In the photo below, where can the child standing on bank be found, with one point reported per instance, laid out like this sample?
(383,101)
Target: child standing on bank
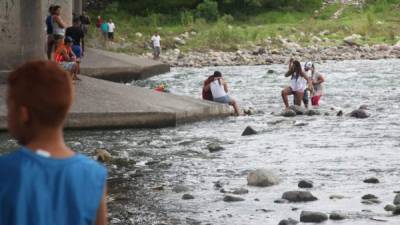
(45,182)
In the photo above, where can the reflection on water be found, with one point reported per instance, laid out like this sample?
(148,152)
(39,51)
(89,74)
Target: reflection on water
(336,153)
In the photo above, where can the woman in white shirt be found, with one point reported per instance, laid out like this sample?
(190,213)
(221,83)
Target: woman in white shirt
(298,83)
(155,42)
(219,90)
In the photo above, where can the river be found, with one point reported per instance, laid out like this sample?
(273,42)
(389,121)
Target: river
(336,153)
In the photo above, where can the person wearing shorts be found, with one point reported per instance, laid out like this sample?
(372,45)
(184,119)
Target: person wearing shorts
(317,81)
(219,90)
(298,83)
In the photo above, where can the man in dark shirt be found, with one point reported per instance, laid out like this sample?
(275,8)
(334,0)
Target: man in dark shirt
(77,34)
(85,21)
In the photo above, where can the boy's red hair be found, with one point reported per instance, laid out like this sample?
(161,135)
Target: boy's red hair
(44,89)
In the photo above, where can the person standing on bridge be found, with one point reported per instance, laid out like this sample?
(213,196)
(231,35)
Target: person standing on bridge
(77,34)
(49,31)
(58,24)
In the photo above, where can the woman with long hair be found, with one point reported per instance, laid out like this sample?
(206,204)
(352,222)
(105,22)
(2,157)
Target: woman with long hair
(298,83)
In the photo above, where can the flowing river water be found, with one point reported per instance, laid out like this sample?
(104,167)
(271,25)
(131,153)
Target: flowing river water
(336,153)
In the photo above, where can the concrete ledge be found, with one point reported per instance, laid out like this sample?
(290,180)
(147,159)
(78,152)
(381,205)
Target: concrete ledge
(119,67)
(102,104)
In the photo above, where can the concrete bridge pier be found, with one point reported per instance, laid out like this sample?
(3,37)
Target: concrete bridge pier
(21,33)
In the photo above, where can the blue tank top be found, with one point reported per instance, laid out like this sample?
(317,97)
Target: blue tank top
(38,190)
(49,25)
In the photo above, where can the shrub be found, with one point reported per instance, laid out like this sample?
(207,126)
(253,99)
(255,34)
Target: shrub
(227,18)
(187,18)
(208,10)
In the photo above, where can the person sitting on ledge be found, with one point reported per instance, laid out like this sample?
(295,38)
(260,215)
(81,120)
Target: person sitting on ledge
(66,57)
(219,90)
(44,182)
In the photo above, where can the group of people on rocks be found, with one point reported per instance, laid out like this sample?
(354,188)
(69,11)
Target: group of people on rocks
(302,81)
(66,45)
(106,28)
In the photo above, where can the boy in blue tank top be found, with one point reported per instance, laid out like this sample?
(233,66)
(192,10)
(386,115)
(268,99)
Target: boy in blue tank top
(44,182)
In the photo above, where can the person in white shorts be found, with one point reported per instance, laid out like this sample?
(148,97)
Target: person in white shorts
(298,83)
(219,89)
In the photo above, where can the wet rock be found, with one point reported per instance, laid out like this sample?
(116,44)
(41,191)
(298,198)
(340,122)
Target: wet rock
(396,200)
(312,217)
(240,191)
(337,216)
(187,197)
(312,112)
(288,113)
(340,113)
(214,147)
(158,188)
(369,197)
(389,208)
(288,221)
(270,71)
(371,201)
(336,197)
(299,196)
(231,198)
(352,40)
(281,201)
(102,155)
(180,188)
(300,124)
(363,107)
(262,178)
(218,184)
(250,111)
(298,109)
(359,113)
(249,131)
(371,180)
(396,211)
(305,184)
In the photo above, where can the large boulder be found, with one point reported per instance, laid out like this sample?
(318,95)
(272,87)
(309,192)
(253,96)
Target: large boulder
(360,114)
(299,196)
(262,178)
(312,217)
(249,131)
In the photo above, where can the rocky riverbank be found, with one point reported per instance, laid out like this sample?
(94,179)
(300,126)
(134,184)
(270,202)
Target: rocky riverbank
(263,55)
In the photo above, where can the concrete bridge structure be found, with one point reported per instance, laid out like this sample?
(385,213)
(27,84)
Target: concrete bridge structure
(99,103)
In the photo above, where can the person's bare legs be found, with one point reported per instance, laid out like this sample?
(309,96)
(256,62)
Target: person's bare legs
(235,106)
(285,93)
(49,49)
(299,97)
